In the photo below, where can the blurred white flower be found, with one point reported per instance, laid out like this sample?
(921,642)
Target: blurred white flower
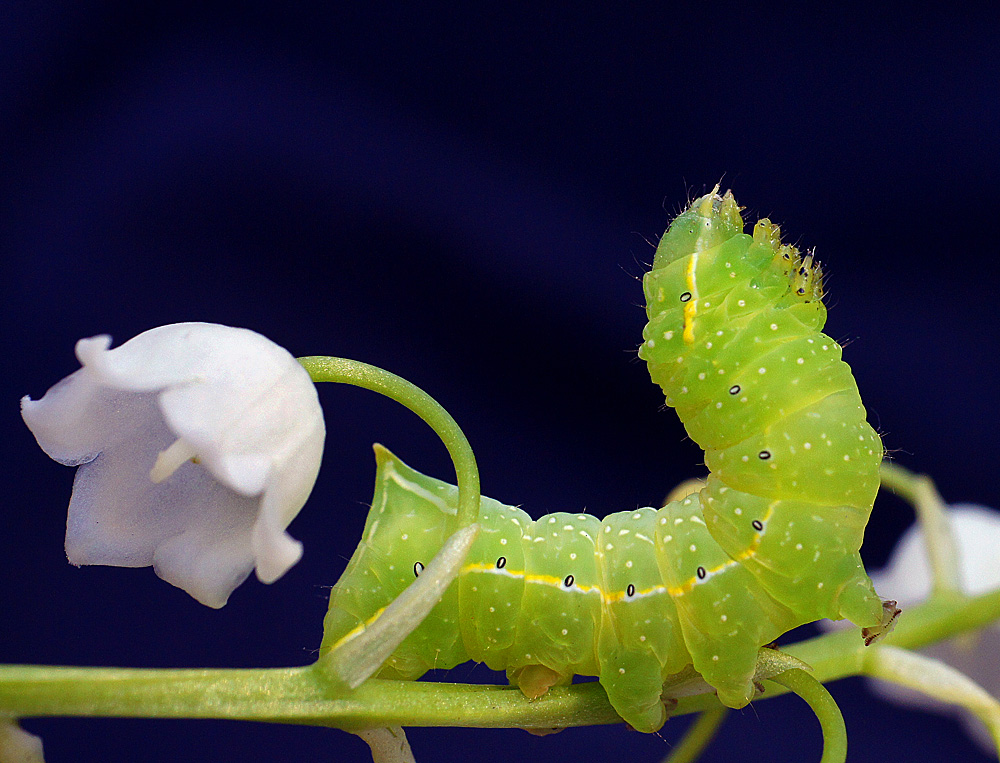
(17,745)
(907,579)
(197,444)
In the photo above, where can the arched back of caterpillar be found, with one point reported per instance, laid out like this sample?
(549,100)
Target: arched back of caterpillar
(771,542)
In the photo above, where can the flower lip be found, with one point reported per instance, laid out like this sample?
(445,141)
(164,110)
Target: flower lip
(197,444)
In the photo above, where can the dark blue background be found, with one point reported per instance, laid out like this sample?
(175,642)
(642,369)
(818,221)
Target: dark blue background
(465,196)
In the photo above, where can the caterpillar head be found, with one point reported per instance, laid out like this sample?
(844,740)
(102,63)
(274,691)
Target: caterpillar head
(707,222)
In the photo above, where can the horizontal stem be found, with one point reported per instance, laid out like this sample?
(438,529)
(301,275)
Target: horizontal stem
(299,695)
(287,695)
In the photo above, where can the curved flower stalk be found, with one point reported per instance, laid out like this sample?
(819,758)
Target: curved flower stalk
(197,444)
(937,678)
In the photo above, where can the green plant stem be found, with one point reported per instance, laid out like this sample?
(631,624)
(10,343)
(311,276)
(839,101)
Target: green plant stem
(698,736)
(830,718)
(344,371)
(942,552)
(301,695)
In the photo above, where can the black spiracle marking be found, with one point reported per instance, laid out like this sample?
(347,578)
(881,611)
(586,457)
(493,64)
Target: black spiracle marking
(734,390)
(701,573)
(686,296)
(764,455)
(418,567)
(501,562)
(630,591)
(757,525)
(568,582)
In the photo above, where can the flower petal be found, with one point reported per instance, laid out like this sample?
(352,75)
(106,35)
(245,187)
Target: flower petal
(197,445)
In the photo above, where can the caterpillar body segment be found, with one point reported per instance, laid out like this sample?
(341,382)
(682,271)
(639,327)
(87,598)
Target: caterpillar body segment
(734,339)
(769,543)
(563,595)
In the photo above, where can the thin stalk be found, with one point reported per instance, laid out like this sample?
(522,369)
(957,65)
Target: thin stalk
(344,371)
(942,552)
(827,713)
(698,736)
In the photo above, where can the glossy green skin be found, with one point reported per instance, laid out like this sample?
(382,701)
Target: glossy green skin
(706,581)
(797,404)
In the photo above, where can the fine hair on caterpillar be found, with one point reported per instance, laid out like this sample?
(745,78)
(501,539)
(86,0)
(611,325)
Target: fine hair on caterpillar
(769,542)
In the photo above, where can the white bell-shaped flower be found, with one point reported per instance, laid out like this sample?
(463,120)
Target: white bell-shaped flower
(197,444)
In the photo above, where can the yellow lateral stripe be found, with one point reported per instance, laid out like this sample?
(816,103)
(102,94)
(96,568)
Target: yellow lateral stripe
(609,598)
(750,552)
(691,306)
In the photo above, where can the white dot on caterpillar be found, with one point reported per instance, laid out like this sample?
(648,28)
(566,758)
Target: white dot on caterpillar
(847,457)
(692,547)
(642,638)
(800,361)
(668,335)
(774,327)
(628,564)
(738,511)
(701,376)
(492,609)
(564,631)
(742,303)
(572,555)
(621,671)
(404,536)
(724,618)
(718,405)
(715,658)
(608,547)
(807,445)
(745,459)
(651,343)
(708,345)
(762,370)
(720,332)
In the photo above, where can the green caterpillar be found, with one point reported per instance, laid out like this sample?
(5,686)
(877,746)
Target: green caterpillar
(770,543)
